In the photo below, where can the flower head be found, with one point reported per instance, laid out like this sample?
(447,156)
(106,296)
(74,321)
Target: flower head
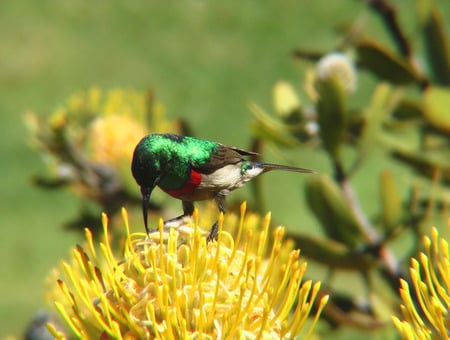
(426,311)
(175,285)
(90,139)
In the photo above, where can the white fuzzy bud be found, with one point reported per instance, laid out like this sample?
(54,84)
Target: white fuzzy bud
(339,67)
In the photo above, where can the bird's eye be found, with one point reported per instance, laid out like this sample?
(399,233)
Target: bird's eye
(245,167)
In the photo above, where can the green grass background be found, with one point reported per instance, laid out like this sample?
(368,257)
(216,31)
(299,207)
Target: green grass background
(205,59)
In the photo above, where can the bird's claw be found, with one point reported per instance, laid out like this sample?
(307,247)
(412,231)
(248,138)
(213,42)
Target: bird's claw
(213,232)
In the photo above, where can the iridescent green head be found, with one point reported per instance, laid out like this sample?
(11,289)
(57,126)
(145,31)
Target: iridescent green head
(146,171)
(165,160)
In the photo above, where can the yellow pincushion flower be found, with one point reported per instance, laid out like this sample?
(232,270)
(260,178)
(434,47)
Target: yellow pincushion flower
(114,133)
(426,310)
(113,138)
(174,285)
(88,143)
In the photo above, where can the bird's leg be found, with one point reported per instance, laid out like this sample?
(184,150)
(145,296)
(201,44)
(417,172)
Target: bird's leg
(213,232)
(188,210)
(220,201)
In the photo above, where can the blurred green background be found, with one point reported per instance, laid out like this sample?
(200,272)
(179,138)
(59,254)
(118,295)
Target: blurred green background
(205,60)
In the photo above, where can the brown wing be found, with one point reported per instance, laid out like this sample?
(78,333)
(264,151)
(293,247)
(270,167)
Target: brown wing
(224,155)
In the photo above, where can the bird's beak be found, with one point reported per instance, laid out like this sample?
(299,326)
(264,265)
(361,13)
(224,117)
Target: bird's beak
(146,193)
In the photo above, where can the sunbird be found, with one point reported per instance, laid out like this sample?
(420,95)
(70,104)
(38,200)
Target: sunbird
(192,169)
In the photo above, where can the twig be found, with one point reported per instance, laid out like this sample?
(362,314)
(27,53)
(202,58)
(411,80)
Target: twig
(371,235)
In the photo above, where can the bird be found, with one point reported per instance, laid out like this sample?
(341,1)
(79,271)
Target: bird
(193,169)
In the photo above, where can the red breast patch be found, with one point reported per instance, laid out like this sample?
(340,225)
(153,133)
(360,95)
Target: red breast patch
(188,187)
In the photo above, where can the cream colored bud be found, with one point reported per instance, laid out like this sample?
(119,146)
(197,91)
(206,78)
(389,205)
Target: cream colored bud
(339,67)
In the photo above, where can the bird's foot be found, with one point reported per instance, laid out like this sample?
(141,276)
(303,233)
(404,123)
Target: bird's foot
(151,231)
(177,221)
(213,232)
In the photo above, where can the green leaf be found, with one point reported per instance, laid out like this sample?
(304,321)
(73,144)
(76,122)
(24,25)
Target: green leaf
(308,54)
(408,109)
(332,253)
(385,64)
(426,162)
(333,114)
(326,201)
(380,105)
(390,201)
(423,10)
(270,129)
(437,47)
(436,107)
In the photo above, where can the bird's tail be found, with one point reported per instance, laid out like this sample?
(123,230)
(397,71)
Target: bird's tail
(270,166)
